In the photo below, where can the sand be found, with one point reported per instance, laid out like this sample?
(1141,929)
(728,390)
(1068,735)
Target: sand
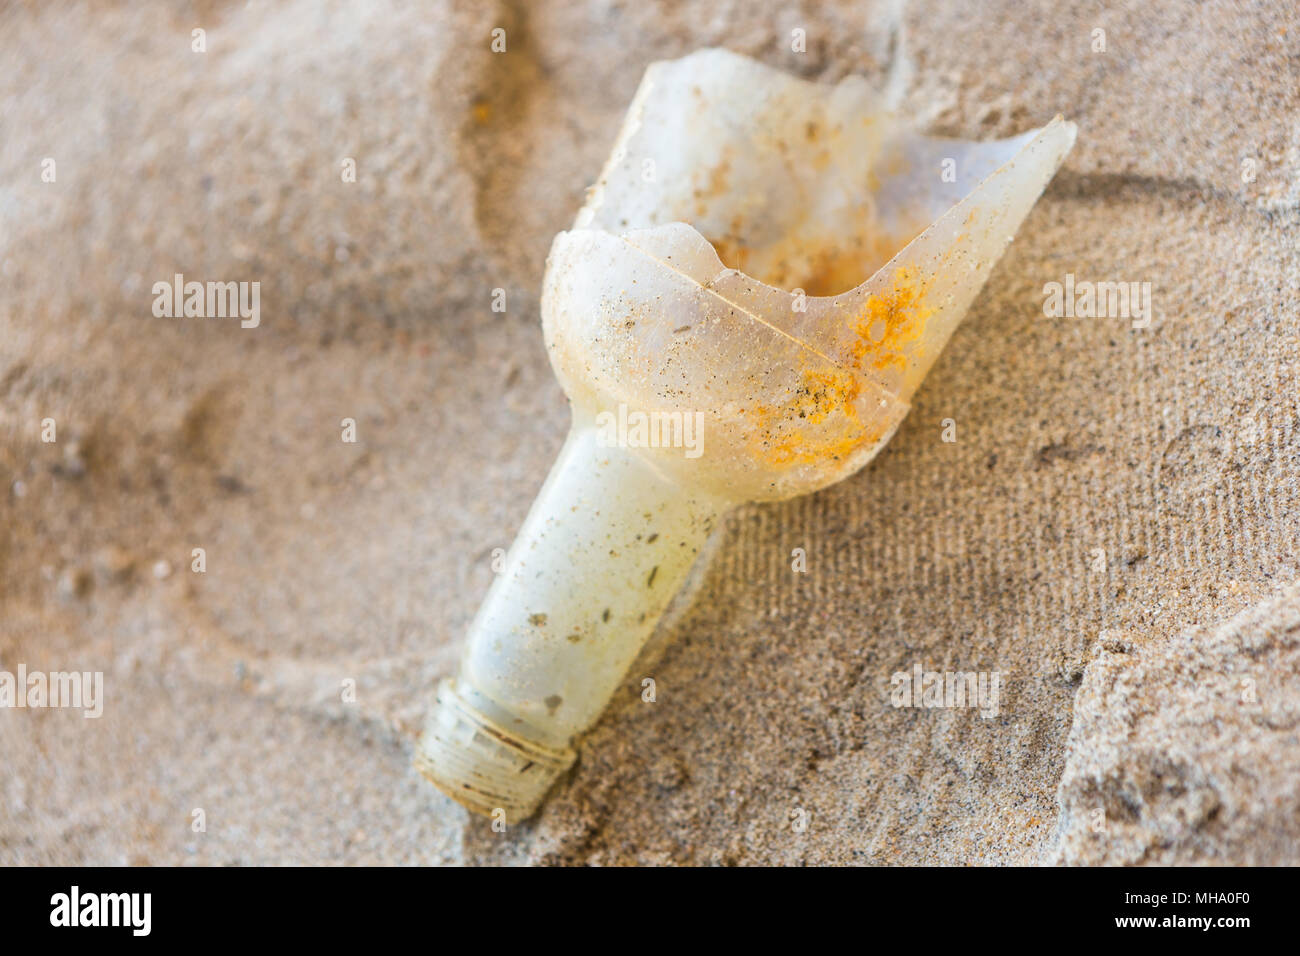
(1114,531)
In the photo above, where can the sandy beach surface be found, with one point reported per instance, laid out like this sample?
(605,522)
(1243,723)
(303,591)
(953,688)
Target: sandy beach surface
(1115,531)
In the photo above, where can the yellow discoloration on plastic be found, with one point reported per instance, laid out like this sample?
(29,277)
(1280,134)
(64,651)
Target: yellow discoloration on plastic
(888,332)
(891,324)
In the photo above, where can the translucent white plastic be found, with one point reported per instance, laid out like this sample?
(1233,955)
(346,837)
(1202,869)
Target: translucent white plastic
(757,285)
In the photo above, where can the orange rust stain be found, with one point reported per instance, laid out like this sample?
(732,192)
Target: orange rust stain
(888,324)
(899,316)
(716,186)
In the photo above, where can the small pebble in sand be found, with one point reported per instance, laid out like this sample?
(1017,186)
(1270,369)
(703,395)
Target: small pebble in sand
(114,563)
(73,465)
(73,583)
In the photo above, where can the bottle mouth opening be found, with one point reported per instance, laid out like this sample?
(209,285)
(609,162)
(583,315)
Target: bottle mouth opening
(485,768)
